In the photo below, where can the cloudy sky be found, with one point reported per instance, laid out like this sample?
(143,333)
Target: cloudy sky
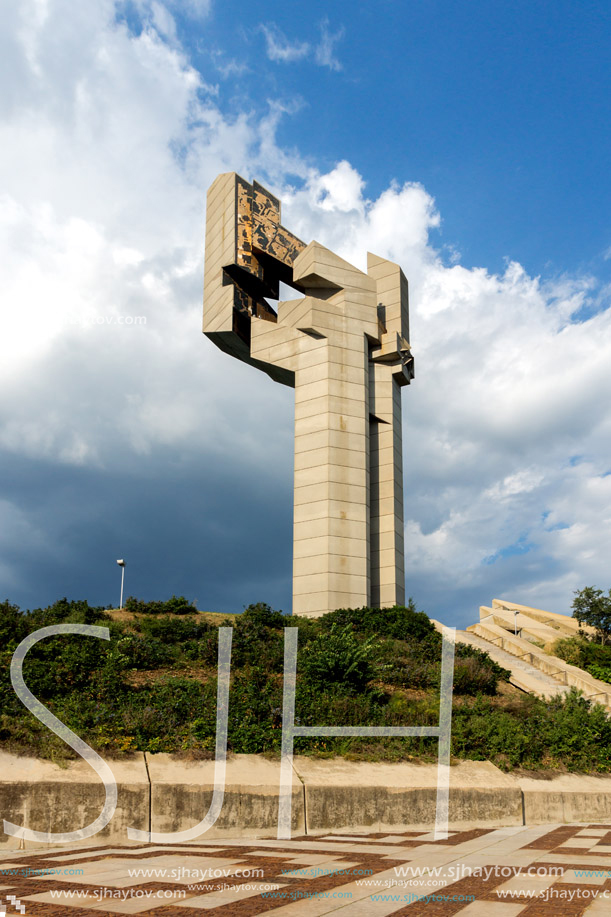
(469,142)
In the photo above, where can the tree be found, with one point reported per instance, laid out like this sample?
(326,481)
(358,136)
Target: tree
(591,606)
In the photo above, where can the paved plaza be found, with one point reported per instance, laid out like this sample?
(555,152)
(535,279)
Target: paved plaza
(562,870)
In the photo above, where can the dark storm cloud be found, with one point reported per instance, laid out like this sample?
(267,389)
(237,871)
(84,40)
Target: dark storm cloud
(217,534)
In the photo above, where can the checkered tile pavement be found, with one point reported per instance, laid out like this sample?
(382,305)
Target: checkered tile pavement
(543,871)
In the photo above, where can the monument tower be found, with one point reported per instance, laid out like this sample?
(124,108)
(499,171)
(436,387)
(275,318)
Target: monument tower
(344,347)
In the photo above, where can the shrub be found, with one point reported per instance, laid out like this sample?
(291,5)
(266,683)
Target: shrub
(400,621)
(13,625)
(601,672)
(172,630)
(591,606)
(263,615)
(582,652)
(475,672)
(339,659)
(255,711)
(258,638)
(176,605)
(64,612)
(570,649)
(353,670)
(473,677)
(135,652)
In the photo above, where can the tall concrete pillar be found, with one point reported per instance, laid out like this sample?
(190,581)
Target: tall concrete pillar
(344,347)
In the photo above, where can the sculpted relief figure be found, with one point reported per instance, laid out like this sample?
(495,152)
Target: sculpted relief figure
(344,347)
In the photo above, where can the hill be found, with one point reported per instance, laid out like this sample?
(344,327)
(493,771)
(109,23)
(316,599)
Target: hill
(152,687)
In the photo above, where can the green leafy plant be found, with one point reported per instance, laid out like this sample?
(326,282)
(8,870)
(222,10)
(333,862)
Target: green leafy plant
(340,659)
(592,607)
(400,621)
(582,652)
(176,605)
(603,673)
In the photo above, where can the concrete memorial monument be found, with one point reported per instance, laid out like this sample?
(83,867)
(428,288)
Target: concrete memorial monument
(344,347)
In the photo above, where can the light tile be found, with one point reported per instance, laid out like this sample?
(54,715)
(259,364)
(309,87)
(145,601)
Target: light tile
(523,884)
(577,842)
(492,909)
(227,895)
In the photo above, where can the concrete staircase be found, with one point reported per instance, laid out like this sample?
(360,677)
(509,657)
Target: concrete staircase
(520,639)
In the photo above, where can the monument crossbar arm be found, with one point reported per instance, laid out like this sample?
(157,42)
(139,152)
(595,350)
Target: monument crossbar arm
(344,347)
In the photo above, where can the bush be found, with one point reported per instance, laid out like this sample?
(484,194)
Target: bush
(567,732)
(582,652)
(13,625)
(473,677)
(177,605)
(171,630)
(264,616)
(258,639)
(255,712)
(592,607)
(570,649)
(339,660)
(601,672)
(400,621)
(136,652)
(475,672)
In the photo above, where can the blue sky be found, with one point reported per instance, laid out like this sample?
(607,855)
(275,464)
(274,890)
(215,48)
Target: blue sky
(469,142)
(500,109)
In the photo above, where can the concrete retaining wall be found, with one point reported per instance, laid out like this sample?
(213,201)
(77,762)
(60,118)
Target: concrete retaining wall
(565,799)
(181,792)
(329,796)
(44,797)
(380,797)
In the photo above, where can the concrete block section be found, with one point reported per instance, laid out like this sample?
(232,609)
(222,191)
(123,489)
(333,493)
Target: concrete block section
(44,797)
(567,798)
(342,795)
(181,792)
(561,671)
(560,622)
(342,346)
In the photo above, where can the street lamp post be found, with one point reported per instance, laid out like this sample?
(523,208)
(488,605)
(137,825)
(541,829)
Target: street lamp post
(122,565)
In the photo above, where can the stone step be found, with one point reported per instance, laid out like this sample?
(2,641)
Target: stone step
(534,631)
(562,672)
(566,627)
(523,675)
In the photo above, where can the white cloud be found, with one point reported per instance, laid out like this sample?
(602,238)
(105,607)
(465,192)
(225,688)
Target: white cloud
(279,48)
(198,8)
(163,21)
(194,9)
(108,157)
(340,190)
(107,149)
(282,49)
(507,390)
(324,50)
(227,66)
